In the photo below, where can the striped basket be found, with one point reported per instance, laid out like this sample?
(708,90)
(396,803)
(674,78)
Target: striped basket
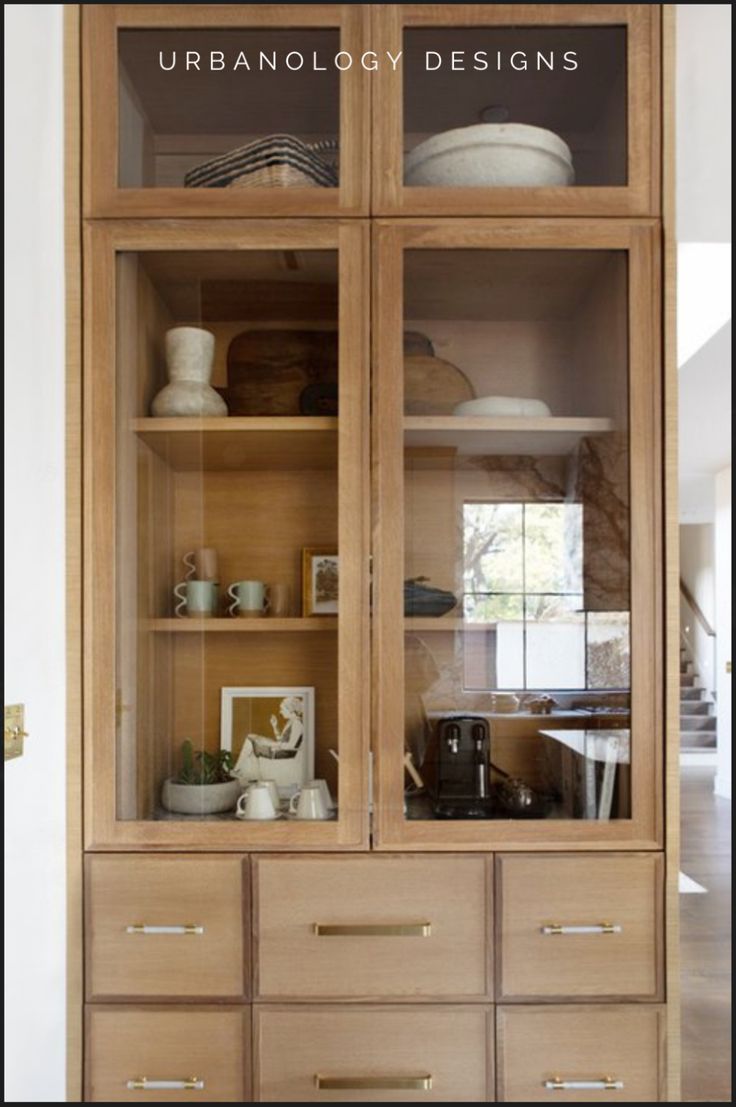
(278,161)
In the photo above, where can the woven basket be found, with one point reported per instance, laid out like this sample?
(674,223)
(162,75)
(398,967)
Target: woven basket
(275,161)
(275,176)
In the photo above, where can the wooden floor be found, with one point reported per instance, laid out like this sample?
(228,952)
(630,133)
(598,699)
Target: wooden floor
(706,942)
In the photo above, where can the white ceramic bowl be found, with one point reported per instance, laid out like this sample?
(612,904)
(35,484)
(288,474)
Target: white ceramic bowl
(502,405)
(491,155)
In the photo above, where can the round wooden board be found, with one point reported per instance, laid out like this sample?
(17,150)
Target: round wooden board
(433,386)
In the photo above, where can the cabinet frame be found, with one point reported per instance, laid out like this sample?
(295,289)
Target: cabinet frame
(102,242)
(641,239)
(640,196)
(101,194)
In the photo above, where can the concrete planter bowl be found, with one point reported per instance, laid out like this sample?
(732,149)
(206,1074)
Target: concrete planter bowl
(491,155)
(200,799)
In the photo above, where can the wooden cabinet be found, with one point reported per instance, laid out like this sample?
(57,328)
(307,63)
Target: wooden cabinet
(410,543)
(373,1054)
(366,927)
(536,529)
(259,490)
(167,1055)
(580,1054)
(579,926)
(589,73)
(169,88)
(172,927)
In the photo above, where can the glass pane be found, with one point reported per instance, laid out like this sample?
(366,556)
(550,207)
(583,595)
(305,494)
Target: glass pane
(517,560)
(228,108)
(568,83)
(227,530)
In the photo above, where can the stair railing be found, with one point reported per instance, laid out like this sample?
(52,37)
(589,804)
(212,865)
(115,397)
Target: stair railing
(699,639)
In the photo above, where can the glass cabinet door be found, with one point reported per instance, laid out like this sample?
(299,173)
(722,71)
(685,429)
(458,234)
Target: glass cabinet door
(226,446)
(540,109)
(517,608)
(226,110)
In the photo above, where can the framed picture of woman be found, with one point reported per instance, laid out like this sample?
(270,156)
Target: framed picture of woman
(270,733)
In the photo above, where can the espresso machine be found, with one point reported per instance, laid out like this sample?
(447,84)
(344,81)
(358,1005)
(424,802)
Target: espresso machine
(462,751)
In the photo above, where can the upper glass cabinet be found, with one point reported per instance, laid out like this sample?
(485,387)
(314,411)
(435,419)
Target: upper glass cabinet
(517,109)
(224,110)
(517,447)
(227,446)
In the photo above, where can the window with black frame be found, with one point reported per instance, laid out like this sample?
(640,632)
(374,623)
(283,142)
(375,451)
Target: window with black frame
(523,576)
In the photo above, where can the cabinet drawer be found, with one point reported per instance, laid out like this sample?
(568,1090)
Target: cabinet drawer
(544,1052)
(178,1046)
(373,1054)
(166,927)
(542,902)
(372,927)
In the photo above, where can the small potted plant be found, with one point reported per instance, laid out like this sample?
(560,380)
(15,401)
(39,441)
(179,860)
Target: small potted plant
(204,785)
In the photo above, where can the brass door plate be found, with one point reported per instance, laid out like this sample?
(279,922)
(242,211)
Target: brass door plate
(14,730)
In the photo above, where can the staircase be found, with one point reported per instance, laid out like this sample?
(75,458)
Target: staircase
(697,720)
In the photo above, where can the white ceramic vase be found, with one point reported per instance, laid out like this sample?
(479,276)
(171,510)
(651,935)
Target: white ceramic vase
(189,355)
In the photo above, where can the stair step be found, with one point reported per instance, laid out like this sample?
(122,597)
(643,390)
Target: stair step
(687,680)
(695,707)
(689,695)
(697,741)
(698,722)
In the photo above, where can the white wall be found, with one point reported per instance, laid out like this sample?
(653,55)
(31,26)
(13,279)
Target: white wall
(703,122)
(723,630)
(34,555)
(703,174)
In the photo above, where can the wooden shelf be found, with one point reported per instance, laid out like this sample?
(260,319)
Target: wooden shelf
(509,434)
(285,442)
(444,622)
(226,625)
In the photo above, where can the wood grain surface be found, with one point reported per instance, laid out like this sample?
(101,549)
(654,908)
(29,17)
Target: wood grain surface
(624,1042)
(625,890)
(167,1043)
(451,1045)
(448,893)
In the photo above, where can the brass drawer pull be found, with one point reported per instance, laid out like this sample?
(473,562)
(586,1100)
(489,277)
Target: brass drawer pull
(143,1084)
(140,928)
(377,1083)
(373,930)
(605,1084)
(597,928)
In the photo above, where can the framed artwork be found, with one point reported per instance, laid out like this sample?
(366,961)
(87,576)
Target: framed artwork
(270,733)
(320,579)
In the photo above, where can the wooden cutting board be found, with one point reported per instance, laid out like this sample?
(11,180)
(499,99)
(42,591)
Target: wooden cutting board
(268,370)
(433,386)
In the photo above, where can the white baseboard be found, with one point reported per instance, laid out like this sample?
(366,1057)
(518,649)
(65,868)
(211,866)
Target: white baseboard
(722,786)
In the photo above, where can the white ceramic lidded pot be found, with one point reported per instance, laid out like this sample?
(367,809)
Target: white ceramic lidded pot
(189,355)
(491,155)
